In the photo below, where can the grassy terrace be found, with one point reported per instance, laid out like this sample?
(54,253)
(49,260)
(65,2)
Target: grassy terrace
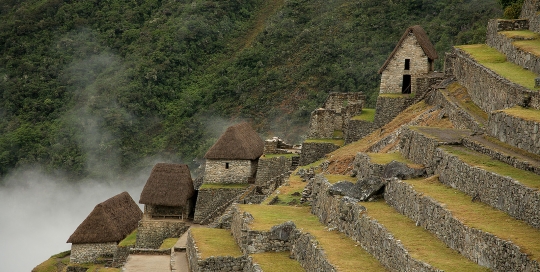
(168,243)
(396,95)
(487,163)
(288,194)
(224,186)
(523,113)
(129,240)
(525,40)
(338,142)
(277,262)
(269,156)
(385,158)
(340,250)
(420,243)
(481,216)
(492,59)
(215,242)
(366,115)
(462,97)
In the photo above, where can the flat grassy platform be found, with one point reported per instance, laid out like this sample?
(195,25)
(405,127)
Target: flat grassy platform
(485,162)
(420,243)
(340,250)
(224,186)
(523,113)
(288,194)
(386,158)
(366,115)
(269,156)
(168,243)
(335,178)
(215,242)
(525,40)
(277,262)
(495,61)
(445,135)
(338,142)
(481,216)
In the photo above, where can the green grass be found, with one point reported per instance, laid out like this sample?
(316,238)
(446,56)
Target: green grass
(168,243)
(463,98)
(492,59)
(338,142)
(396,95)
(420,243)
(523,113)
(224,186)
(385,158)
(215,242)
(481,216)
(51,264)
(340,250)
(269,156)
(288,194)
(335,178)
(129,240)
(473,158)
(366,115)
(277,262)
(337,134)
(520,34)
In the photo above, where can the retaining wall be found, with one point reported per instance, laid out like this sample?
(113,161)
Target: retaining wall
(357,129)
(388,108)
(212,202)
(88,253)
(349,217)
(515,131)
(312,152)
(481,247)
(270,168)
(211,264)
(151,233)
(529,11)
(487,89)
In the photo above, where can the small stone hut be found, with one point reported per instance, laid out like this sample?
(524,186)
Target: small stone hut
(109,223)
(168,192)
(234,157)
(411,59)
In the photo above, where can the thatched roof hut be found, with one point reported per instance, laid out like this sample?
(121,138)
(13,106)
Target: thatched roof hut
(422,39)
(110,221)
(169,184)
(238,142)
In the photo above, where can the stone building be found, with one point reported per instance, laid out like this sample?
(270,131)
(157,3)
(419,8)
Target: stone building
(234,157)
(411,59)
(168,192)
(109,223)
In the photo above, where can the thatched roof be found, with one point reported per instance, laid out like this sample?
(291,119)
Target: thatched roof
(238,142)
(422,39)
(110,221)
(169,184)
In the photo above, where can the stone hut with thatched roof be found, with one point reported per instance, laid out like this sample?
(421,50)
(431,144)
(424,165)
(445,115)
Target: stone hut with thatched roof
(168,192)
(234,157)
(109,223)
(412,58)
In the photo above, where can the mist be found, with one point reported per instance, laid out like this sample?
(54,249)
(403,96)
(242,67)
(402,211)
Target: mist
(39,212)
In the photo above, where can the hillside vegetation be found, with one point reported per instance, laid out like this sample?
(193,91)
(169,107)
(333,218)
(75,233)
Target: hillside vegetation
(90,85)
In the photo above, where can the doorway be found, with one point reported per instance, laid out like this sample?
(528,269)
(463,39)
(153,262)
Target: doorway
(406,87)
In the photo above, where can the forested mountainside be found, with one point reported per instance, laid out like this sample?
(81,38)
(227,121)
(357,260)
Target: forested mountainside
(89,85)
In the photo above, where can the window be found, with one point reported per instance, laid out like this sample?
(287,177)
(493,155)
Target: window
(407,64)
(226,165)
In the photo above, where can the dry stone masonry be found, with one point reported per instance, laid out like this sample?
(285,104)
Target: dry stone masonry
(85,253)
(515,131)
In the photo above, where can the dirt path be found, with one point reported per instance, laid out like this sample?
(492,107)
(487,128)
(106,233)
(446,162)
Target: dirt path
(148,263)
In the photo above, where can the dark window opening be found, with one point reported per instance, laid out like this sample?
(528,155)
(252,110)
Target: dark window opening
(407,64)
(226,165)
(406,87)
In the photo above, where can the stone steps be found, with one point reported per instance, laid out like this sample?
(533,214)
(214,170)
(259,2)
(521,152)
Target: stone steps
(389,236)
(485,235)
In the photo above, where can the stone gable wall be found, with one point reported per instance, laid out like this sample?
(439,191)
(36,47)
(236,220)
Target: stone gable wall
(151,233)
(392,76)
(481,247)
(212,202)
(312,152)
(501,192)
(504,45)
(487,89)
(88,253)
(349,217)
(239,171)
(515,131)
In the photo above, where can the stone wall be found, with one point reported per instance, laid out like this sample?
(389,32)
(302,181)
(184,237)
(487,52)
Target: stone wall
(364,168)
(392,76)
(357,129)
(229,171)
(309,255)
(515,131)
(349,217)
(529,11)
(505,45)
(120,256)
(218,263)
(345,102)
(312,152)
(487,89)
(481,247)
(323,123)
(151,233)
(270,168)
(88,253)
(388,108)
(501,192)
(212,202)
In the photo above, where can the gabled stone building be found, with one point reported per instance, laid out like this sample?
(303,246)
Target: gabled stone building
(168,192)
(234,157)
(411,59)
(109,223)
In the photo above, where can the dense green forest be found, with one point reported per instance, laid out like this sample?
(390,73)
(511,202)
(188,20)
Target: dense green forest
(100,86)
